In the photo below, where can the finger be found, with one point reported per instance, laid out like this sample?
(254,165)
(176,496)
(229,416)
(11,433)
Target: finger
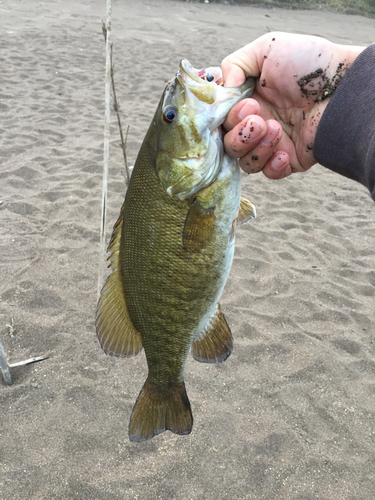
(244,136)
(259,155)
(278,166)
(240,111)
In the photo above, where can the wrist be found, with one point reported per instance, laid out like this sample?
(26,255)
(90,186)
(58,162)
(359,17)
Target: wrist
(352,52)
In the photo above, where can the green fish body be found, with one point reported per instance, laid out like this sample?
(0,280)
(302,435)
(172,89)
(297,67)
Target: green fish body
(172,248)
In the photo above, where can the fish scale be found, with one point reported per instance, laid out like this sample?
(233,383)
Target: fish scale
(167,288)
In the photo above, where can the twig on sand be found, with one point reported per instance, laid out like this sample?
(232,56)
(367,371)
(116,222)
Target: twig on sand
(4,366)
(11,327)
(28,361)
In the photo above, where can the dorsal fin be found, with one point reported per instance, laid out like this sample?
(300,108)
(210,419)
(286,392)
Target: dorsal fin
(199,224)
(215,344)
(246,212)
(114,328)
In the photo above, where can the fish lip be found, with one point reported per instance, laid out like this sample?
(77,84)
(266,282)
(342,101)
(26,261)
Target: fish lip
(187,70)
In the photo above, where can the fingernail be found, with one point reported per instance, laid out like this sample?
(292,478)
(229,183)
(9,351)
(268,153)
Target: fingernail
(270,135)
(279,162)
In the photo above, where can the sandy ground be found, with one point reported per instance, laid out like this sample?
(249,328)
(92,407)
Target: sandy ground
(291,414)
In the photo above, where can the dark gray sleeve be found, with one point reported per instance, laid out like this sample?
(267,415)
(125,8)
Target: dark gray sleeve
(345,139)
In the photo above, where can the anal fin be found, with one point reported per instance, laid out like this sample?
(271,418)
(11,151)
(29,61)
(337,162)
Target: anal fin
(115,330)
(215,344)
(160,409)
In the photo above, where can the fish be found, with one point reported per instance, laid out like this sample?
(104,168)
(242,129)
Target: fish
(172,248)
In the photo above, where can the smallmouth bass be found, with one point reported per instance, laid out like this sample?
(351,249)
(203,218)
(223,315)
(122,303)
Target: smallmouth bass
(172,248)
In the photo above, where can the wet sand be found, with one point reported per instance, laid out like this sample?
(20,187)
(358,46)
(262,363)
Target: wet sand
(291,413)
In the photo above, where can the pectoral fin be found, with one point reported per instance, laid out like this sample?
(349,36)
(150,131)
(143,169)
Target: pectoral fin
(246,212)
(215,344)
(114,328)
(199,225)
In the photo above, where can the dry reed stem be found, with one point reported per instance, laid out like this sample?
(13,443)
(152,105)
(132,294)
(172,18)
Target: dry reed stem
(107,123)
(109,82)
(117,108)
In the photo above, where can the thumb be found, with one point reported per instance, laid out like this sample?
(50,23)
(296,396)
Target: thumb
(238,66)
(233,75)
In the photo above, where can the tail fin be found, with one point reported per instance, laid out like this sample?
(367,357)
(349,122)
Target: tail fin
(157,410)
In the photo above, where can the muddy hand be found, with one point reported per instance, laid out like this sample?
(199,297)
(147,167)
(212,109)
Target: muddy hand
(274,131)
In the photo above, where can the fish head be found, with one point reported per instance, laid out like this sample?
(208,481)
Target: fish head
(188,120)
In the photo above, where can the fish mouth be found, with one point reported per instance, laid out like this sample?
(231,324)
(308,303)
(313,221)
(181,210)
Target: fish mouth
(190,74)
(209,95)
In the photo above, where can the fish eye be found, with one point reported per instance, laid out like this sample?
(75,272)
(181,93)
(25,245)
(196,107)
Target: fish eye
(170,114)
(210,77)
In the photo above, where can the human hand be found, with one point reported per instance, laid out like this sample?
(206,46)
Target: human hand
(274,131)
